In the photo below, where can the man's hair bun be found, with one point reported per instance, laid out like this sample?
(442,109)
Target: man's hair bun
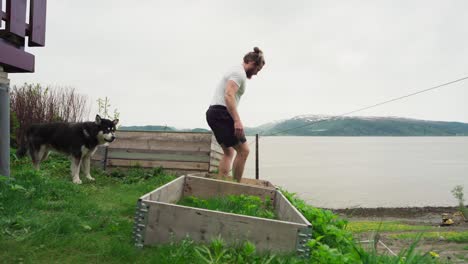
(256,56)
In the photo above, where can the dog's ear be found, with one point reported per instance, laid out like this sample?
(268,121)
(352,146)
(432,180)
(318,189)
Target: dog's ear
(98,120)
(115,122)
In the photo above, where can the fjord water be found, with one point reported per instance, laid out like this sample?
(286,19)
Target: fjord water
(344,172)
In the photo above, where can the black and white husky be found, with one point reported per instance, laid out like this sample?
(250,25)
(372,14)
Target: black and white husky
(77,140)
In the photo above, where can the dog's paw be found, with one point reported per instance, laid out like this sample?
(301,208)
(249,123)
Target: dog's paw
(77,181)
(90,178)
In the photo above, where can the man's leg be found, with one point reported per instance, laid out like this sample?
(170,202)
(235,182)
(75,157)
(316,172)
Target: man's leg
(239,162)
(226,161)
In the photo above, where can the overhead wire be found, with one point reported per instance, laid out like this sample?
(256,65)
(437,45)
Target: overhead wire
(369,107)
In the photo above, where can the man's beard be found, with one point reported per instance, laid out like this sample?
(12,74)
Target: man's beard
(249,74)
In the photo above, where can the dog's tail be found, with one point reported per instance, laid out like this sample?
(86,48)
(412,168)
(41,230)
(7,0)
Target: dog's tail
(23,148)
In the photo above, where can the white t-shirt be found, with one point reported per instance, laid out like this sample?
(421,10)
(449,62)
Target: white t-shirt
(236,74)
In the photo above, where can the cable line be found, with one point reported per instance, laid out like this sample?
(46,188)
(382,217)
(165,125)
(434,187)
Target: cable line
(372,106)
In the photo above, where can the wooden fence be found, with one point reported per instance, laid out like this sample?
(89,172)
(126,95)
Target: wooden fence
(179,152)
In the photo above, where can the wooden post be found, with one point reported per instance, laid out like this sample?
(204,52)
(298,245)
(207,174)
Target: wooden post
(104,162)
(256,157)
(4,124)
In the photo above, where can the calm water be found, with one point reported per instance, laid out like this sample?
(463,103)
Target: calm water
(338,172)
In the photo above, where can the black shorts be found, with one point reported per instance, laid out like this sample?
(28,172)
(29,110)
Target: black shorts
(222,124)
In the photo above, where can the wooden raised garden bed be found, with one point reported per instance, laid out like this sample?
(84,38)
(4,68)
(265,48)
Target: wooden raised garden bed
(160,220)
(179,152)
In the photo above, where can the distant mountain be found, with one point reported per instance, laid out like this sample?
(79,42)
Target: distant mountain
(318,125)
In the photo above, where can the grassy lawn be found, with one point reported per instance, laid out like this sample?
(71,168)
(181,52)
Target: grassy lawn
(45,218)
(457,237)
(385,226)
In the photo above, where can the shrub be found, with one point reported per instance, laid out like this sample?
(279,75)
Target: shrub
(33,103)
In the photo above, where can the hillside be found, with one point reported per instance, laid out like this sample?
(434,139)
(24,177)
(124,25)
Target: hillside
(360,126)
(315,125)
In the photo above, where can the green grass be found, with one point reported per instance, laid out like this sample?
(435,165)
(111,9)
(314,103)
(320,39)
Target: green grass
(45,218)
(237,204)
(457,237)
(385,226)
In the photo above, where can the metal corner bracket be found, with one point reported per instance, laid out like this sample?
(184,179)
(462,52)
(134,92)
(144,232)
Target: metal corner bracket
(141,220)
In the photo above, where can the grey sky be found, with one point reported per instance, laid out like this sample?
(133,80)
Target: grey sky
(159,61)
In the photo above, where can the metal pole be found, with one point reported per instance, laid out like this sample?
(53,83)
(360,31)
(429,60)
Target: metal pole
(4,124)
(256,157)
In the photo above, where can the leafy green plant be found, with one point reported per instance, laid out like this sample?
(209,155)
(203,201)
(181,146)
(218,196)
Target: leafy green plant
(215,255)
(457,192)
(237,204)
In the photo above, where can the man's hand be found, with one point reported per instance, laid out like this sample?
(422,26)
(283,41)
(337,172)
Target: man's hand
(238,129)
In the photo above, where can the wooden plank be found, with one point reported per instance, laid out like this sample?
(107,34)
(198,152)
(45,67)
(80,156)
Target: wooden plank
(147,195)
(176,172)
(180,172)
(215,146)
(167,131)
(170,192)
(286,211)
(99,154)
(16,12)
(155,163)
(37,21)
(207,188)
(216,156)
(120,154)
(198,174)
(160,145)
(130,150)
(244,180)
(214,162)
(15,60)
(213,168)
(169,222)
(163,136)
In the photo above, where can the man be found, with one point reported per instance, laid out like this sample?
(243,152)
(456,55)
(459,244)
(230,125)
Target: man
(223,118)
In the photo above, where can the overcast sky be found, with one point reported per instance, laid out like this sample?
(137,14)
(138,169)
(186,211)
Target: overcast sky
(159,61)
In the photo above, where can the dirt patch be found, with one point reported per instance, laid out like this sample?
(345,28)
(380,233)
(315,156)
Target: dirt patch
(426,216)
(454,252)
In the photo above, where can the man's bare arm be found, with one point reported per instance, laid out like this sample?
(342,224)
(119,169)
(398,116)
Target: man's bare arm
(230,98)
